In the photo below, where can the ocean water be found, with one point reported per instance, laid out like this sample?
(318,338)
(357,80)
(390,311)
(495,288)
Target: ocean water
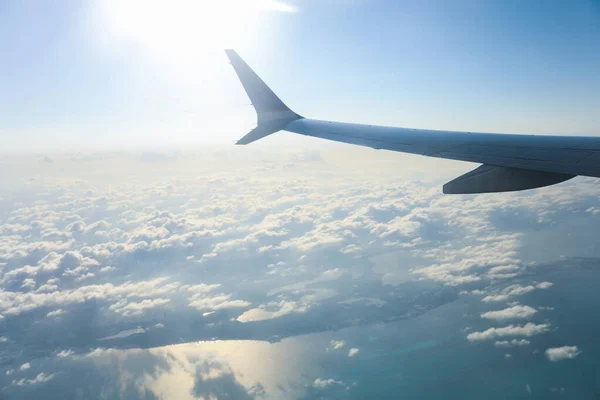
(425,357)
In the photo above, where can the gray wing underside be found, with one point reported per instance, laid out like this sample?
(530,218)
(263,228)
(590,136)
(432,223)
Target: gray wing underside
(510,162)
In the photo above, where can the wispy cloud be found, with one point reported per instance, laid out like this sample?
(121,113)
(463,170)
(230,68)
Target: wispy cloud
(512,343)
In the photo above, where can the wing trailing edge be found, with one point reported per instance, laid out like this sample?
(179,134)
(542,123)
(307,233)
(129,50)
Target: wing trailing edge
(491,179)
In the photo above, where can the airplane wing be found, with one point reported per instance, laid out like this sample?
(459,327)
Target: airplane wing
(509,162)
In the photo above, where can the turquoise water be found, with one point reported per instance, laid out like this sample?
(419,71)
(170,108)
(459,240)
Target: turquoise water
(427,357)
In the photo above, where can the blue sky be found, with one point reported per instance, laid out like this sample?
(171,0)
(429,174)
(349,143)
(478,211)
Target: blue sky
(78,75)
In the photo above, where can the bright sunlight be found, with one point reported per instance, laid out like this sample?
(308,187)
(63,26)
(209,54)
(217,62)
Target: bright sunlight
(185,30)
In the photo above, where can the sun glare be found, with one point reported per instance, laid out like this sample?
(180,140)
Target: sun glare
(186,30)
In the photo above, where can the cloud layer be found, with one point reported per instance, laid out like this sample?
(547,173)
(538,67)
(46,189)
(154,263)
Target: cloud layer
(140,252)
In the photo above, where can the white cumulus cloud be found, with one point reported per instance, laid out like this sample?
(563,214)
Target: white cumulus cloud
(562,353)
(337,344)
(514,291)
(55,313)
(323,383)
(272,310)
(40,378)
(64,353)
(516,312)
(527,330)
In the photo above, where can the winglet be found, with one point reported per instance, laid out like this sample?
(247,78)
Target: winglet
(272,114)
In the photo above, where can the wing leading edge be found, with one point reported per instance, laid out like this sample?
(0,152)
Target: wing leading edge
(510,162)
